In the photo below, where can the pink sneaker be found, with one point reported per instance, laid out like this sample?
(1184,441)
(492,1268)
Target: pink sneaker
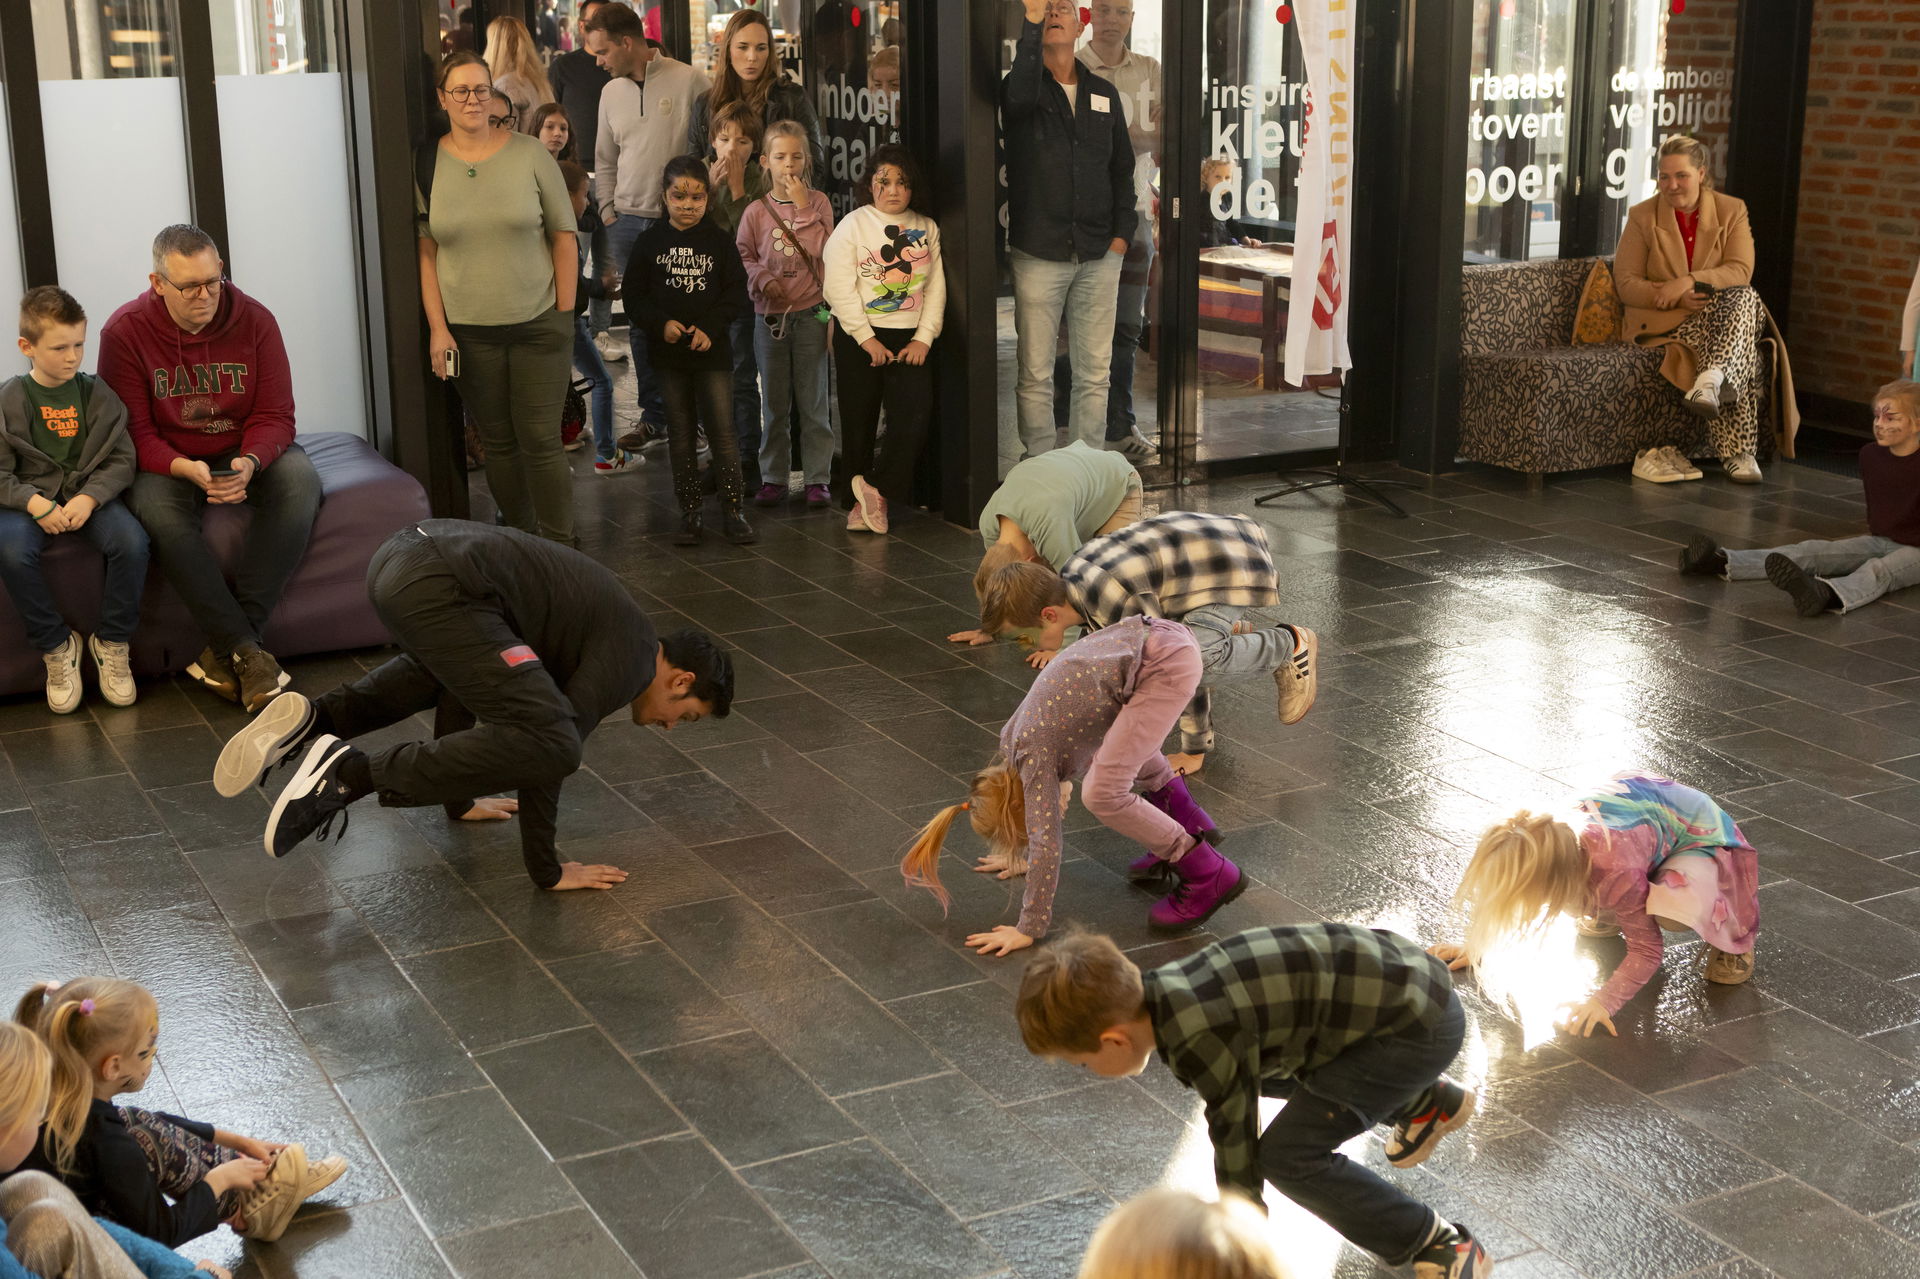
(856,524)
(872,506)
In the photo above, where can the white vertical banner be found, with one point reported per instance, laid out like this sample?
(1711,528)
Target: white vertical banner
(1323,221)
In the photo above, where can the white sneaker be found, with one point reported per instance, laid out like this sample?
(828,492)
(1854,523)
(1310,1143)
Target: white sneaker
(63,676)
(1681,463)
(1743,468)
(1704,399)
(611,348)
(116,671)
(1651,464)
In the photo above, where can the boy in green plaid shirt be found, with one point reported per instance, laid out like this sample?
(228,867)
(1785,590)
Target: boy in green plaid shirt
(1352,1025)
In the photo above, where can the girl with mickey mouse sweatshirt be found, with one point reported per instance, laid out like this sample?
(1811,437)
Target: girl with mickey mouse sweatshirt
(884,283)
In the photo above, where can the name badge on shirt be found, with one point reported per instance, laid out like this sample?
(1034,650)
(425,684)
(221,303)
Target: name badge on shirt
(1098,102)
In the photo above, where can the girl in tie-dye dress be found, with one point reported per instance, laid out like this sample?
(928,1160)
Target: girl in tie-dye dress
(1637,854)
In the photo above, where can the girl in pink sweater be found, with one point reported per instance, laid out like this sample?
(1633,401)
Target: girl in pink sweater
(781,238)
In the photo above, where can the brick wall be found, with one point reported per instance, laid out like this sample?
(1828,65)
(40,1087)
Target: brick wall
(1859,228)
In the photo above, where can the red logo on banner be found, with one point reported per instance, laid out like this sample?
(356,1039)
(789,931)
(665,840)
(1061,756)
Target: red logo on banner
(1326,292)
(1283,15)
(518,655)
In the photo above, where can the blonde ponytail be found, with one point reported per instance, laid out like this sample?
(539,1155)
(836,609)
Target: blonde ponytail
(24,1080)
(997,807)
(82,1022)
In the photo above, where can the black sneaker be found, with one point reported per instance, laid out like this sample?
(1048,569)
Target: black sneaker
(261,678)
(738,531)
(311,799)
(1811,596)
(1454,1255)
(1702,557)
(1442,1108)
(251,753)
(692,529)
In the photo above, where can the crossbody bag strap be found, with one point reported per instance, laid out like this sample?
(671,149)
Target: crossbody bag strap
(806,257)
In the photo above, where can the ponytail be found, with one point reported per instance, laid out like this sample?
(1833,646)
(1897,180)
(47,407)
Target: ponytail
(996,805)
(1525,870)
(81,1022)
(23,1080)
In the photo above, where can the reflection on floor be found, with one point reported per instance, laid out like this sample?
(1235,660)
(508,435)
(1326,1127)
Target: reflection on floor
(763,1056)
(1237,418)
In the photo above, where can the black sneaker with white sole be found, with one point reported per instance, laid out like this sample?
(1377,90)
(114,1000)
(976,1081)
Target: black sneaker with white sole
(312,798)
(1454,1255)
(1442,1108)
(251,753)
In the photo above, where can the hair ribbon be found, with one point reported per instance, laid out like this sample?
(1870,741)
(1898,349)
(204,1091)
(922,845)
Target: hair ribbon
(86,1008)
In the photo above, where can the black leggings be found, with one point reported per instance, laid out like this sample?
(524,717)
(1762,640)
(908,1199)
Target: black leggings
(906,390)
(697,397)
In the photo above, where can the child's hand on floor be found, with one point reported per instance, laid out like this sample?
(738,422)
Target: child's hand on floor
(1454,957)
(1040,657)
(493,809)
(1003,940)
(975,638)
(999,865)
(1583,1017)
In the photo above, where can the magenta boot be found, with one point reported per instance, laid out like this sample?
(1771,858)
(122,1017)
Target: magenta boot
(1207,881)
(1177,802)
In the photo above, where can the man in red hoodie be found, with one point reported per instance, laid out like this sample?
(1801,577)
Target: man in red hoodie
(210,406)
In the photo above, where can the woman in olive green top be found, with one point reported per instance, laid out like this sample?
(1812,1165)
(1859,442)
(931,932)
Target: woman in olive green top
(498,268)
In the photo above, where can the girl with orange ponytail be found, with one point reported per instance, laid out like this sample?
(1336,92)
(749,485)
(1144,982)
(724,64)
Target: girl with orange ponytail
(1099,711)
(1637,855)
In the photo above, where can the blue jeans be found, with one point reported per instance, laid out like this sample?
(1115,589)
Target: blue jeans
(122,543)
(1130,317)
(586,358)
(746,396)
(1859,569)
(1374,1082)
(1086,294)
(626,228)
(285,497)
(795,369)
(600,310)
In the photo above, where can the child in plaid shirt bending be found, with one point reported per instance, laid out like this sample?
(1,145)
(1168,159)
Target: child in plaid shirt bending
(1352,1025)
(1203,571)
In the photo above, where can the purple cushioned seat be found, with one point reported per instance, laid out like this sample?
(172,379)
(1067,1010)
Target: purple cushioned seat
(324,608)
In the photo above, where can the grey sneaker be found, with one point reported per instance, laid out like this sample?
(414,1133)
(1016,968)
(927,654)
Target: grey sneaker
(64,690)
(216,672)
(261,678)
(270,737)
(1682,464)
(113,662)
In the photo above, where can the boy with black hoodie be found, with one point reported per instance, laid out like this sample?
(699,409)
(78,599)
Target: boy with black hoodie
(209,399)
(65,458)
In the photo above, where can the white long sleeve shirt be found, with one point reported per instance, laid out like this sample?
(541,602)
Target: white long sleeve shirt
(883,272)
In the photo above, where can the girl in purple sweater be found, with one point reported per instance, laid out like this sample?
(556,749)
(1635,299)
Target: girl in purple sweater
(1636,855)
(1099,711)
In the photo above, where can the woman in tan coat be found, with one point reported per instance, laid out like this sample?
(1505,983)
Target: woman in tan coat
(1686,237)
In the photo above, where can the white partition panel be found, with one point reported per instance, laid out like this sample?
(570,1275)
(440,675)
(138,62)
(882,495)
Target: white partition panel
(12,283)
(116,174)
(283,145)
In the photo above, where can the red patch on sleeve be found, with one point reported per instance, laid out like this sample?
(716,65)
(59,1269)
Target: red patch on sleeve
(518,655)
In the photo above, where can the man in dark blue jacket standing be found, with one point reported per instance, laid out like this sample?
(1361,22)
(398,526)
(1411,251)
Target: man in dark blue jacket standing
(1071,215)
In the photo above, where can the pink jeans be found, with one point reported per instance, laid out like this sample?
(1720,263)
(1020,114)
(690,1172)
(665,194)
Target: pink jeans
(1130,753)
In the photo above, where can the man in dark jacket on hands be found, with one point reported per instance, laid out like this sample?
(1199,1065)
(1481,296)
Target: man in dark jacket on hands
(1071,215)
(523,647)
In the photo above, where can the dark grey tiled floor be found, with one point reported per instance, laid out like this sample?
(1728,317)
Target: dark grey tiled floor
(762,1055)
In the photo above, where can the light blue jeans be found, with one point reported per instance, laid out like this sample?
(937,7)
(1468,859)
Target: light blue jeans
(794,371)
(1223,654)
(586,358)
(1085,293)
(1859,569)
(1130,317)
(626,228)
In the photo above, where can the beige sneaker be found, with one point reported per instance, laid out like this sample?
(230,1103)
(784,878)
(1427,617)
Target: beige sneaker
(1682,464)
(1652,465)
(1743,468)
(1298,680)
(64,689)
(270,1205)
(113,662)
(1727,969)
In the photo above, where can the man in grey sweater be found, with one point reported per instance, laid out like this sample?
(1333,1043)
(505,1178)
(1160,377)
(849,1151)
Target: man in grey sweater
(642,124)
